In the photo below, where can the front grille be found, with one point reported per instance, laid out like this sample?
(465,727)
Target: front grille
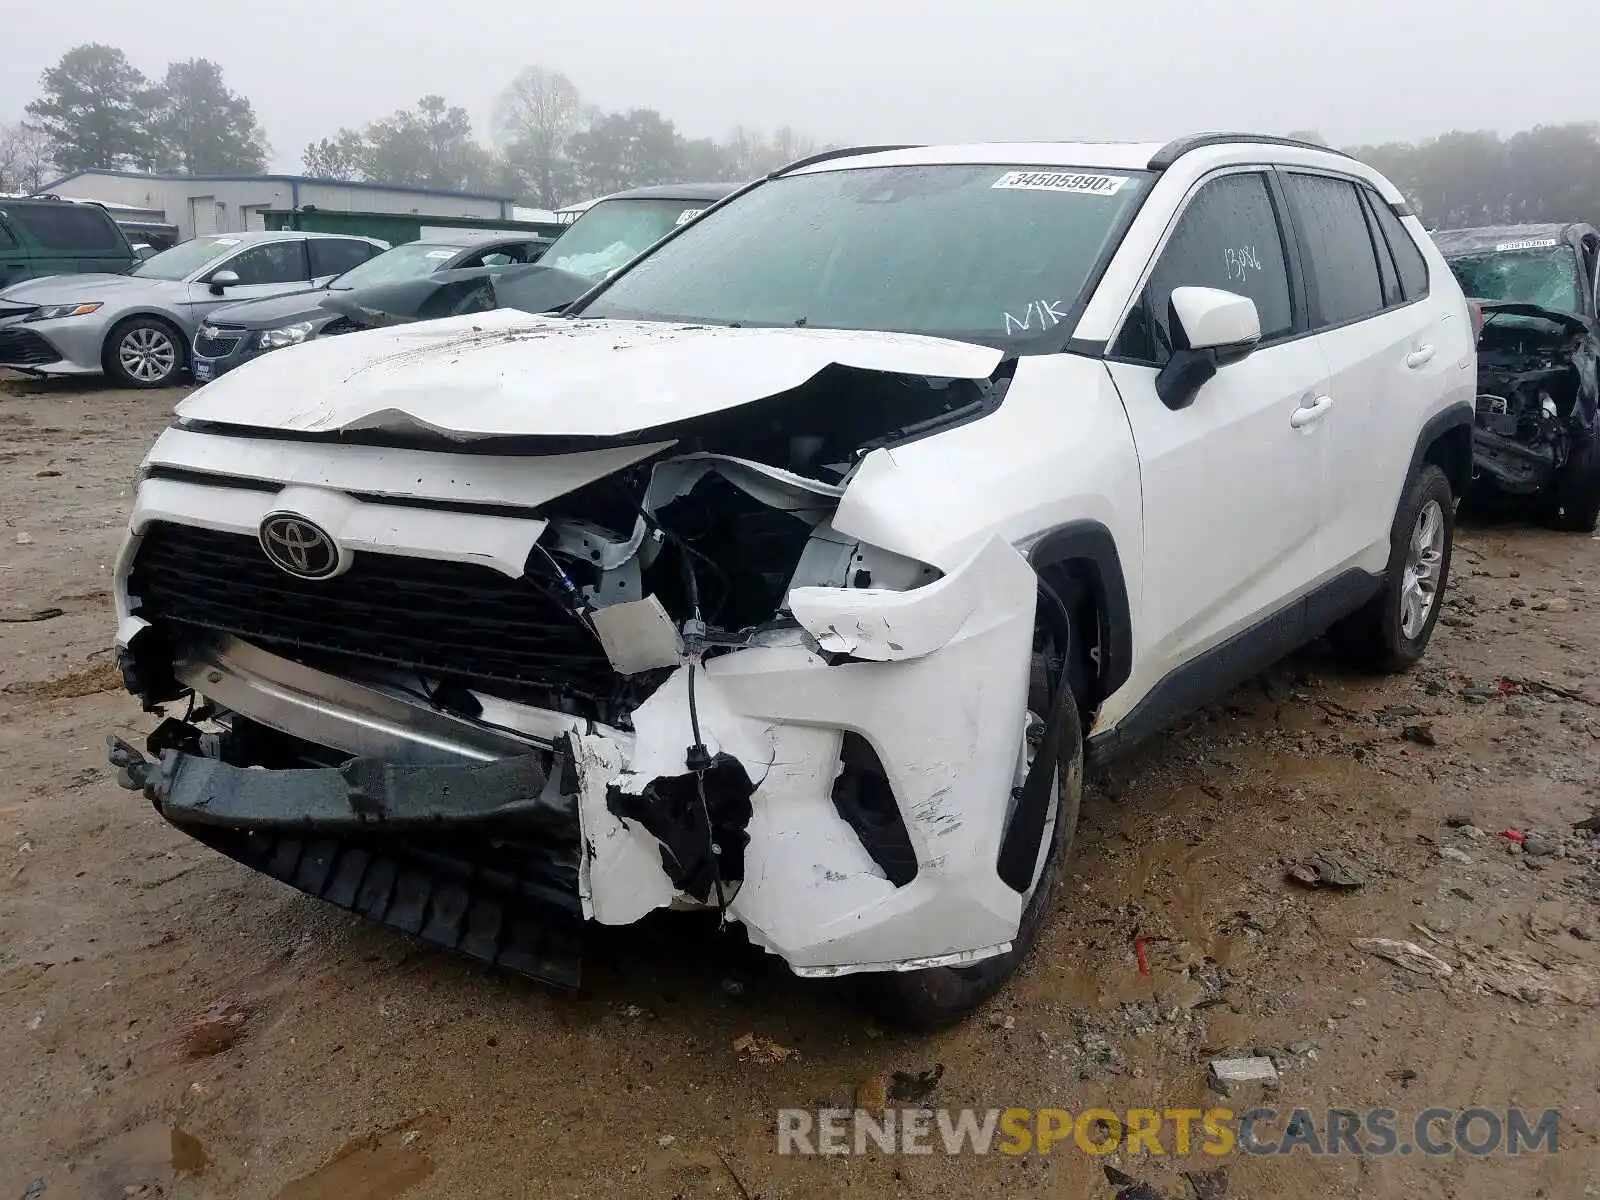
(24,347)
(440,619)
(217,345)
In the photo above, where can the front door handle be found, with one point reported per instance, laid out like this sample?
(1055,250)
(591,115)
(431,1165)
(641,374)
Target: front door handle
(1420,357)
(1309,414)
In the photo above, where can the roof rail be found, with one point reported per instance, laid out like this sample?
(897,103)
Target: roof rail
(1174,150)
(842,152)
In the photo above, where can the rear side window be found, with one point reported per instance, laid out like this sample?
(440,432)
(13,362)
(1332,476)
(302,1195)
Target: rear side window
(1408,260)
(274,262)
(1228,237)
(335,256)
(1344,268)
(69,227)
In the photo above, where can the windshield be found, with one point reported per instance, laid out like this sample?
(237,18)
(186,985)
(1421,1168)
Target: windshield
(411,261)
(612,232)
(1546,275)
(184,259)
(988,254)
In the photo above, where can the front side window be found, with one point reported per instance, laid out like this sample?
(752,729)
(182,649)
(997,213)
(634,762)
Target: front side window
(274,262)
(1334,234)
(991,254)
(1542,274)
(1227,238)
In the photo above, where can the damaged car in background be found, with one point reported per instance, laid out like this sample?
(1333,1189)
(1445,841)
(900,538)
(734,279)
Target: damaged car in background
(609,232)
(790,574)
(1538,363)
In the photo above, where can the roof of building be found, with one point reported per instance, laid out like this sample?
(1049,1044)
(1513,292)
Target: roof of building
(359,184)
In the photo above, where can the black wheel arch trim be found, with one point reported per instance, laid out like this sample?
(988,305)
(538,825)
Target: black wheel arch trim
(1091,542)
(1459,415)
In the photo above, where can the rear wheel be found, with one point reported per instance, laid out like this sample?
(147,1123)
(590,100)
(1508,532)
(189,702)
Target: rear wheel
(1576,502)
(942,996)
(144,352)
(1391,631)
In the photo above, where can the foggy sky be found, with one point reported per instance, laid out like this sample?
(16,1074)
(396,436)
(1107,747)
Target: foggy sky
(867,70)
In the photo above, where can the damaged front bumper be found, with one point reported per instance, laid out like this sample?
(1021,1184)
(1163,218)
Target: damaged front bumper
(840,784)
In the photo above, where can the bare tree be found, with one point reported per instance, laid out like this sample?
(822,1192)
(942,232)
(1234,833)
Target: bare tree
(24,158)
(533,118)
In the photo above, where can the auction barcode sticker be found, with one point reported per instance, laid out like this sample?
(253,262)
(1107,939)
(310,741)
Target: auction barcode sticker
(688,215)
(1528,244)
(1072,182)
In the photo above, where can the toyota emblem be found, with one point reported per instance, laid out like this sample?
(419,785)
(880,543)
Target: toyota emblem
(299,547)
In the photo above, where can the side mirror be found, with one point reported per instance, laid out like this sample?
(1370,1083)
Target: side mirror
(1210,329)
(223,279)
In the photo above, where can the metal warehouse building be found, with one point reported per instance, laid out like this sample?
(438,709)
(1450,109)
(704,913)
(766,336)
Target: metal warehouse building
(200,204)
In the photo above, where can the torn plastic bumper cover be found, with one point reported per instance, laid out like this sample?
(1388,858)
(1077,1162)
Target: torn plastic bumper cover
(347,835)
(925,688)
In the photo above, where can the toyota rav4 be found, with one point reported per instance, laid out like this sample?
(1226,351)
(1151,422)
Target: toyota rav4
(792,575)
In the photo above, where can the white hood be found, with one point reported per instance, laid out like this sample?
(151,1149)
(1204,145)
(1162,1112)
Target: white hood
(505,373)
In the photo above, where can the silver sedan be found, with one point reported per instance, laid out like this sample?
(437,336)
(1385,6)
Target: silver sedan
(137,328)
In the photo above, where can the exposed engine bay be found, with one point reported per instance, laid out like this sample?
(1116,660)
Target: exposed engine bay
(613,674)
(1537,392)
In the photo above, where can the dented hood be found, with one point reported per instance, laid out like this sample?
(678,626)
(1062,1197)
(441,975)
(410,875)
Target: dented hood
(507,374)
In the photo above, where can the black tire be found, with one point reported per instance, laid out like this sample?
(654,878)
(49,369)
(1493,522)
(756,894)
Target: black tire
(939,997)
(145,352)
(1575,505)
(1374,637)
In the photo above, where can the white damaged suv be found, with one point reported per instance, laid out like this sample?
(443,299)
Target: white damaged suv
(792,574)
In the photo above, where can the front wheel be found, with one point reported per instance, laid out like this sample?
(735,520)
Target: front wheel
(1576,502)
(144,352)
(942,996)
(1391,631)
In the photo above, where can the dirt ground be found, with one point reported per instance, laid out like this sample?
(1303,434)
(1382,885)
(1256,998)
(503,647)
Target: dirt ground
(172,1025)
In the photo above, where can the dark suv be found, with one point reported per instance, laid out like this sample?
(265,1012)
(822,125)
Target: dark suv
(58,237)
(1536,434)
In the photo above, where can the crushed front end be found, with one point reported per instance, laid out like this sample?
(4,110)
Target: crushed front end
(486,690)
(1537,390)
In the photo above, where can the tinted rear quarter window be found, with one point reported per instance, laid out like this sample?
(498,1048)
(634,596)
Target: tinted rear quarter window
(1408,259)
(1228,237)
(335,256)
(1334,235)
(69,227)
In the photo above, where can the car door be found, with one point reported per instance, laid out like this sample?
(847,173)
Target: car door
(266,269)
(1386,347)
(1234,483)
